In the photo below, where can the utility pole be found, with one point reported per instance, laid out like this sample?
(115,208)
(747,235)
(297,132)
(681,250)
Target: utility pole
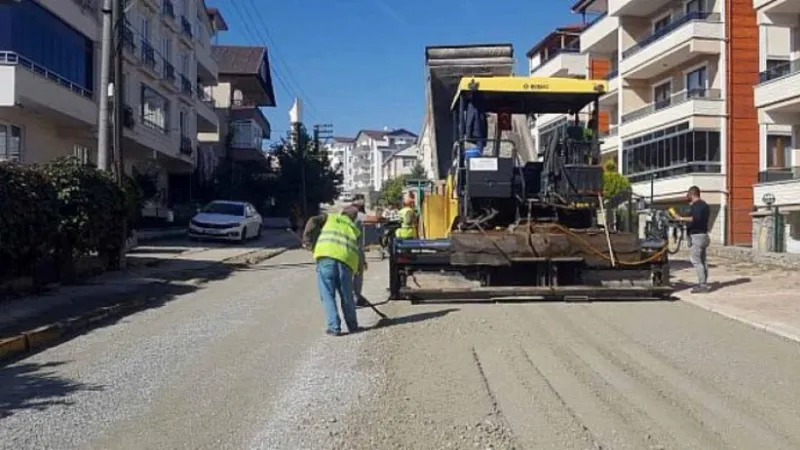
(320,130)
(118,19)
(103,149)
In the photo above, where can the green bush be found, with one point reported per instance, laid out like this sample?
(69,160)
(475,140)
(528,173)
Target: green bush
(28,219)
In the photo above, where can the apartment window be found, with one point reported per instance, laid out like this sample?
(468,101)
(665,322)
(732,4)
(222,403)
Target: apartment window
(155,109)
(184,7)
(779,151)
(183,60)
(408,162)
(695,6)
(144,28)
(669,152)
(37,34)
(166,49)
(183,123)
(662,94)
(661,23)
(81,152)
(696,82)
(10,143)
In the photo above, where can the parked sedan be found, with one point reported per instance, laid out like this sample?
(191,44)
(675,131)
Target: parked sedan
(226,220)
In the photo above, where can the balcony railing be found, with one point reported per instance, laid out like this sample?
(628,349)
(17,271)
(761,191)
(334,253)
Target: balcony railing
(688,168)
(779,70)
(128,42)
(675,99)
(202,95)
(613,130)
(169,72)
(243,103)
(186,26)
(148,55)
(186,145)
(186,86)
(777,174)
(669,28)
(168,9)
(15,59)
(595,19)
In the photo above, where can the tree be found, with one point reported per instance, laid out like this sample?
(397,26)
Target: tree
(323,182)
(613,181)
(392,190)
(418,172)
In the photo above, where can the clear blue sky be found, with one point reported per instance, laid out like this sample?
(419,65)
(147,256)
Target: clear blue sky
(360,63)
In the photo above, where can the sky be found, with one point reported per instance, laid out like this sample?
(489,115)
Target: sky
(360,64)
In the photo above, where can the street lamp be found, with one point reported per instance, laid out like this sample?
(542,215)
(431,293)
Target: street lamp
(768,199)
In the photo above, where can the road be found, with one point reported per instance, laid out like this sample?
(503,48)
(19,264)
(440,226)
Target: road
(243,364)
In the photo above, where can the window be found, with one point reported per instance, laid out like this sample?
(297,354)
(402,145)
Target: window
(183,123)
(155,109)
(184,5)
(696,83)
(779,150)
(695,6)
(777,68)
(670,152)
(166,49)
(10,143)
(183,60)
(144,28)
(662,94)
(661,23)
(408,162)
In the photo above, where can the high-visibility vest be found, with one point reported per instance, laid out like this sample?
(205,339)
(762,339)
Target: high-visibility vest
(406,230)
(339,240)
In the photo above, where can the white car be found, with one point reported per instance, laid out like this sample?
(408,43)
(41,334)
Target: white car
(225,220)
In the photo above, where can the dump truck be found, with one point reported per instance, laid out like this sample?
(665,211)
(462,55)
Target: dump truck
(520,222)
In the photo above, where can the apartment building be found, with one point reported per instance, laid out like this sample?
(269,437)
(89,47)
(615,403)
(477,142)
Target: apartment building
(49,53)
(400,162)
(244,87)
(340,153)
(777,97)
(372,147)
(681,100)
(558,55)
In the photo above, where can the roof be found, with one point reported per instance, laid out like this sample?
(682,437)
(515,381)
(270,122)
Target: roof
(343,140)
(570,30)
(383,134)
(583,5)
(238,60)
(409,151)
(216,19)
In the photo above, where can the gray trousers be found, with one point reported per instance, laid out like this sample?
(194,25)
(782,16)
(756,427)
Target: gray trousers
(698,245)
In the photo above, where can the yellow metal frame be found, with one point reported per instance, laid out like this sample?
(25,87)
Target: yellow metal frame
(530,85)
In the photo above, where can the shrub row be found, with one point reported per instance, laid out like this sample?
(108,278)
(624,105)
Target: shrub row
(58,213)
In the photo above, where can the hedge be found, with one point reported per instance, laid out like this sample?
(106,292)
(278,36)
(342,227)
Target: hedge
(57,213)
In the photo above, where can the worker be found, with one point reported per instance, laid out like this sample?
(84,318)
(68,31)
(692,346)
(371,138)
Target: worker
(358,280)
(588,132)
(408,218)
(697,229)
(336,251)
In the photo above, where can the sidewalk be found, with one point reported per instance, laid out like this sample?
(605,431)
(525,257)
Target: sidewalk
(155,274)
(766,298)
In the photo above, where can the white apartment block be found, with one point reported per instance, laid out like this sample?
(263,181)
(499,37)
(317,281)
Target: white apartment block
(401,162)
(777,97)
(340,154)
(49,55)
(168,69)
(372,147)
(678,104)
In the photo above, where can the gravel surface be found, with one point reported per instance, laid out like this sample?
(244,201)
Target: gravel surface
(242,364)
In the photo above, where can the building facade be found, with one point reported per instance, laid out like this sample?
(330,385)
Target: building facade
(401,162)
(340,153)
(680,102)
(777,97)
(371,148)
(49,60)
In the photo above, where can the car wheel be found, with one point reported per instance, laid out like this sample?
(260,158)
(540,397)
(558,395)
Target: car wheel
(258,233)
(243,236)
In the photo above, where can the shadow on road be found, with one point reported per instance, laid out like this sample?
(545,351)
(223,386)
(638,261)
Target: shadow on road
(279,266)
(29,386)
(680,264)
(714,285)
(414,318)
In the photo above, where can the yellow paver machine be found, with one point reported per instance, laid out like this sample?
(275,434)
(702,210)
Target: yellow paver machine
(520,218)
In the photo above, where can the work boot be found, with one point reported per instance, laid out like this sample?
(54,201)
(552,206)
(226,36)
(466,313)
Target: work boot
(701,289)
(333,333)
(360,301)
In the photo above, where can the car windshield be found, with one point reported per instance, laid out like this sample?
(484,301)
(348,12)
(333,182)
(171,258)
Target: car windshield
(229,209)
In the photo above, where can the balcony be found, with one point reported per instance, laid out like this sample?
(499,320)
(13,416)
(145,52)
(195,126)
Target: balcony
(207,69)
(563,62)
(186,145)
(777,12)
(778,92)
(610,139)
(207,119)
(679,42)
(671,185)
(82,15)
(149,61)
(680,106)
(638,8)
(152,4)
(186,31)
(44,91)
(186,86)
(611,98)
(129,45)
(168,10)
(168,74)
(601,35)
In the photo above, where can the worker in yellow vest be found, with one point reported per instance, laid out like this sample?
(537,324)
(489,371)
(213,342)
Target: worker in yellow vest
(408,220)
(336,251)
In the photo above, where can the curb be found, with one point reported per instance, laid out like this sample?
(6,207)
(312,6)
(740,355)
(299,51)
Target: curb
(35,340)
(739,315)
